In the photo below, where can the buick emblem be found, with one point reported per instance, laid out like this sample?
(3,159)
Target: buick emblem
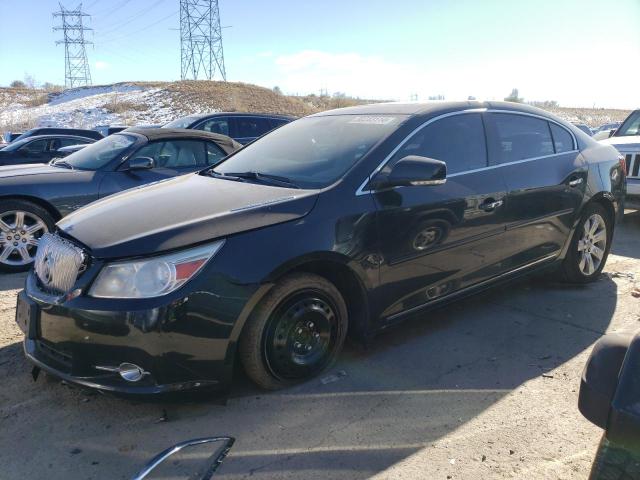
(47,264)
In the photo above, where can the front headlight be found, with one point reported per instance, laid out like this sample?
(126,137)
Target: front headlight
(152,277)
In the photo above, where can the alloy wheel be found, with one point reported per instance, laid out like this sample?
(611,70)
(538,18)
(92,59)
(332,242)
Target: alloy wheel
(301,335)
(592,245)
(20,233)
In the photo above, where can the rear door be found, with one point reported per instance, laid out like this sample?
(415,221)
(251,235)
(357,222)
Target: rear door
(436,240)
(546,180)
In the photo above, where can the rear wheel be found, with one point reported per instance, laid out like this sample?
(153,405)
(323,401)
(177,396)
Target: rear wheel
(295,333)
(22,224)
(589,247)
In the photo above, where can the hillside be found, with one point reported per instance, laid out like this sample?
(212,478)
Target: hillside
(134,103)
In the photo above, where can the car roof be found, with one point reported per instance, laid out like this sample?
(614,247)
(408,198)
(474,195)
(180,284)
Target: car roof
(151,134)
(70,129)
(200,116)
(428,108)
(57,135)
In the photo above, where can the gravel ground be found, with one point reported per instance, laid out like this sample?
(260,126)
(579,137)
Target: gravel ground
(484,389)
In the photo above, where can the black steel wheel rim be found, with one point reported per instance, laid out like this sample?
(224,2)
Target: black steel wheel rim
(301,335)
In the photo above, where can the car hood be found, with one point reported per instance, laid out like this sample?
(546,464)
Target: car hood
(179,212)
(623,142)
(12,171)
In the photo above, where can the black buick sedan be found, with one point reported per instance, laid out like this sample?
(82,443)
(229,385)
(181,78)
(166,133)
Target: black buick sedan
(33,197)
(344,222)
(38,149)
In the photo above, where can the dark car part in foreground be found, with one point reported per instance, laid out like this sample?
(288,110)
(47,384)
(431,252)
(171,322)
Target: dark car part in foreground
(38,149)
(79,132)
(34,197)
(609,398)
(242,127)
(345,221)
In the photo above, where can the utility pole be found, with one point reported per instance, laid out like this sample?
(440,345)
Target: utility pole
(201,50)
(76,66)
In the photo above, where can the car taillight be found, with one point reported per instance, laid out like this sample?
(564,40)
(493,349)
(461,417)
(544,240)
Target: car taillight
(623,164)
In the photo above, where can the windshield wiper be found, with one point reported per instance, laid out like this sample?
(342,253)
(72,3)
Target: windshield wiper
(256,176)
(61,163)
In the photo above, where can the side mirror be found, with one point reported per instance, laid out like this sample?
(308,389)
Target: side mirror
(412,170)
(141,163)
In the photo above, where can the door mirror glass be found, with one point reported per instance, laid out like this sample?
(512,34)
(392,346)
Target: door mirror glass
(412,170)
(141,163)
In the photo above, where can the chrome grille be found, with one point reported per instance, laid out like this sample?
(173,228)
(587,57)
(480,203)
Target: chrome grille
(58,263)
(633,164)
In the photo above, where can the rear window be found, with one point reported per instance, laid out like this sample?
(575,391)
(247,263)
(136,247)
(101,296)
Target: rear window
(519,137)
(562,140)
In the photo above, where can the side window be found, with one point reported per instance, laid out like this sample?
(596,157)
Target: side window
(249,127)
(65,142)
(183,154)
(39,146)
(458,140)
(215,125)
(150,150)
(518,137)
(54,144)
(562,140)
(214,153)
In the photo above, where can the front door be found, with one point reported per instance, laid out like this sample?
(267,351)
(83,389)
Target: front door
(546,179)
(436,240)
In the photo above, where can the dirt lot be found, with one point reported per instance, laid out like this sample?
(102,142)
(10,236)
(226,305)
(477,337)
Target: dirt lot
(458,393)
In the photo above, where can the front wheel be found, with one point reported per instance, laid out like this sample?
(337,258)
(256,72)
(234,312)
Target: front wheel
(589,246)
(296,332)
(22,224)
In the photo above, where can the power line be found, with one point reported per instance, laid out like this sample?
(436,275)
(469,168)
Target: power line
(131,18)
(200,40)
(138,30)
(76,66)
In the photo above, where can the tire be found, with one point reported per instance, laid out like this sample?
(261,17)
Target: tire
(296,332)
(576,267)
(18,247)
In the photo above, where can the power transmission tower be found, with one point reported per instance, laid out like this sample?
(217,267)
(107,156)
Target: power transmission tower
(76,66)
(201,40)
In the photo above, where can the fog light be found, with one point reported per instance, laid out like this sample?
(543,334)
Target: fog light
(128,371)
(131,372)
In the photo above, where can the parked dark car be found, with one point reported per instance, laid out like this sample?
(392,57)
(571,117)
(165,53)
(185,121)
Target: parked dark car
(34,197)
(242,127)
(38,149)
(78,132)
(584,128)
(345,221)
(609,398)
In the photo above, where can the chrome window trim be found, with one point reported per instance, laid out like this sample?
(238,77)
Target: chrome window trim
(362,191)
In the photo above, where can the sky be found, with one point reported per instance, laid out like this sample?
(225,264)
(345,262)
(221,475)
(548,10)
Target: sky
(580,53)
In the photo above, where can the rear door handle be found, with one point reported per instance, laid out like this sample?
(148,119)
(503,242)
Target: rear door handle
(490,205)
(575,182)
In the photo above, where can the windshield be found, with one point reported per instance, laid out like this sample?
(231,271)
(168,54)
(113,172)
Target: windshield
(98,154)
(183,122)
(631,126)
(313,152)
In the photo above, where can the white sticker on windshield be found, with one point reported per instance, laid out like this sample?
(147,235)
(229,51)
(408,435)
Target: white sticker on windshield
(372,120)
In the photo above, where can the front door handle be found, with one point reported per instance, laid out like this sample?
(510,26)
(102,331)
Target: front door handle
(490,205)
(575,182)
